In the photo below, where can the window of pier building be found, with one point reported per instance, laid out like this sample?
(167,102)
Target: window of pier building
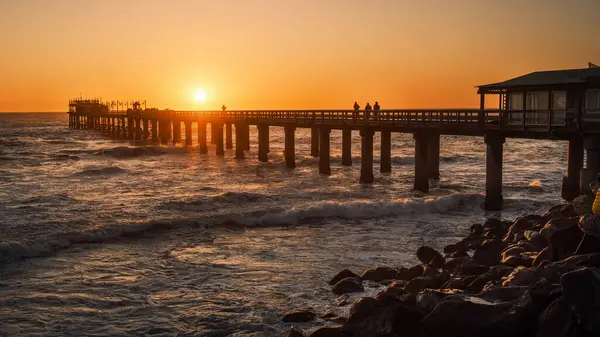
(515,101)
(592,99)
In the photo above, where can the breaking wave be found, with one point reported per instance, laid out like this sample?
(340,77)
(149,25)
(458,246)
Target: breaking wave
(15,250)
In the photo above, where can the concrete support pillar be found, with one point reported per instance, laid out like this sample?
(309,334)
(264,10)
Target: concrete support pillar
(290,146)
(433,155)
(188,133)
(202,137)
(146,131)
(246,137)
(176,132)
(263,142)
(166,126)
(591,145)
(130,127)
(239,141)
(347,147)
(385,158)
(366,155)
(213,133)
(138,129)
(154,123)
(114,126)
(228,136)
(421,170)
(571,183)
(314,141)
(493,175)
(220,150)
(324,150)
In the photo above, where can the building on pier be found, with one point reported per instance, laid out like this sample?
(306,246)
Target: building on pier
(558,98)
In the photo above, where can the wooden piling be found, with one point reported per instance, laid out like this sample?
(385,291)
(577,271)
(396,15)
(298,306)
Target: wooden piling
(366,155)
(290,147)
(324,150)
(385,158)
(493,175)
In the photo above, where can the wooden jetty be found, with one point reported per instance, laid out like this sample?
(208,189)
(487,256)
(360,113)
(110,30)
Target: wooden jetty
(555,105)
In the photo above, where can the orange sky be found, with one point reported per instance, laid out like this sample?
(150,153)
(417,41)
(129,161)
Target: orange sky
(282,53)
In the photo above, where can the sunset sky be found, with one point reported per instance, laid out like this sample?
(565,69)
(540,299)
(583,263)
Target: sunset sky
(282,53)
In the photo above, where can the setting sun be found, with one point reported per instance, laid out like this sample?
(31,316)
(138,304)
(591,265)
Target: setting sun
(200,96)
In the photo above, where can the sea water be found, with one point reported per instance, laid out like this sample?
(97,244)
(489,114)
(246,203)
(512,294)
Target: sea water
(107,237)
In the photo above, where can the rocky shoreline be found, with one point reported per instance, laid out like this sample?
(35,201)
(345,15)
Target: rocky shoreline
(533,276)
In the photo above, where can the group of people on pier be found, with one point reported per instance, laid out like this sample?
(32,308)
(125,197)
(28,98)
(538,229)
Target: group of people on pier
(368,110)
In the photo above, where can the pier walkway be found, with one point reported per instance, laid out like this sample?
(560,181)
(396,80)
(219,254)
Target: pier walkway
(164,126)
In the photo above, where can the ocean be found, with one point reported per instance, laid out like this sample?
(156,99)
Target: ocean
(107,237)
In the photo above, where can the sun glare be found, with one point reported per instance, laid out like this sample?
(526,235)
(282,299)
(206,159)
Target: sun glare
(200,96)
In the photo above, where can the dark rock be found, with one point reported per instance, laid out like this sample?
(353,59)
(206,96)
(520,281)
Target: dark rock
(561,212)
(479,283)
(557,320)
(519,226)
(294,332)
(533,217)
(557,224)
(380,273)
(581,288)
(417,284)
(522,276)
(452,263)
(348,285)
(489,252)
(458,253)
(328,331)
(430,256)
(342,275)
(583,204)
(410,273)
(429,298)
(477,230)
(383,318)
(500,271)
(482,315)
(459,282)
(303,315)
(522,259)
(454,248)
(432,273)
(537,239)
(395,290)
(470,268)
(564,243)
(544,255)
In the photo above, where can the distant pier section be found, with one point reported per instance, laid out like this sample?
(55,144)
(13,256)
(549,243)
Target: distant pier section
(554,105)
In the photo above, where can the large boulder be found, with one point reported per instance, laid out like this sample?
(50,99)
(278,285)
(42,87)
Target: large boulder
(430,256)
(496,315)
(429,298)
(557,320)
(342,275)
(517,228)
(417,284)
(581,288)
(408,274)
(380,273)
(328,331)
(583,204)
(348,285)
(302,315)
(294,332)
(470,268)
(387,317)
(395,290)
(489,252)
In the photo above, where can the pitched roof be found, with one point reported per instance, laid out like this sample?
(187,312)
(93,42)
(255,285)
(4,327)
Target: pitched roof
(567,76)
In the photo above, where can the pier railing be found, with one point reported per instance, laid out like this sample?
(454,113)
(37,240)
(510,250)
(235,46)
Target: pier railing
(534,120)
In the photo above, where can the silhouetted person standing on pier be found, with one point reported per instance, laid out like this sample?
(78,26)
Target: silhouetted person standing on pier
(356,108)
(376,111)
(368,109)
